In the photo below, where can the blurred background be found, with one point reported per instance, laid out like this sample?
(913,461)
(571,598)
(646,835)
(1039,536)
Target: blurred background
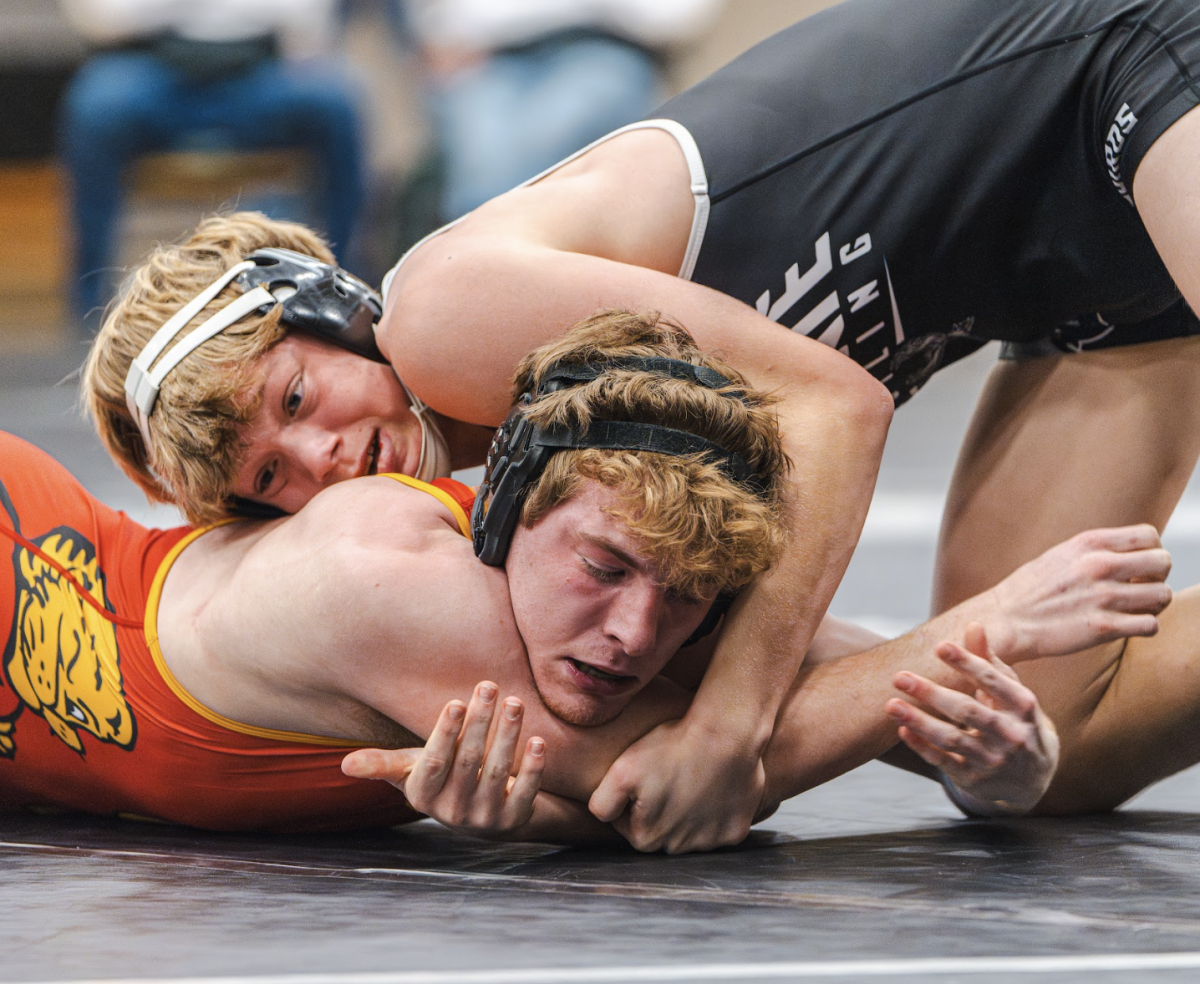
(122,122)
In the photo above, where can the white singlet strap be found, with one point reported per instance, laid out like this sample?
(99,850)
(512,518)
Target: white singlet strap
(699,188)
(697,177)
(142,384)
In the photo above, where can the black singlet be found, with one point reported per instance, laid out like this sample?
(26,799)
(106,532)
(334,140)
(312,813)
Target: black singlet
(906,179)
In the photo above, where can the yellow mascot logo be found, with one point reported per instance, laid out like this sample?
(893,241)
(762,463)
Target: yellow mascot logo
(62,659)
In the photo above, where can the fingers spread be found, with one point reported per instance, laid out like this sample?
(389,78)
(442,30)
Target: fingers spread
(472,743)
(949,741)
(440,748)
(432,768)
(930,753)
(998,681)
(498,764)
(952,705)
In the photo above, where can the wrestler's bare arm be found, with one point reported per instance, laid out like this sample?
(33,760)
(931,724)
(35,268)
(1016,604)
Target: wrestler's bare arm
(843,710)
(834,418)
(402,654)
(1098,586)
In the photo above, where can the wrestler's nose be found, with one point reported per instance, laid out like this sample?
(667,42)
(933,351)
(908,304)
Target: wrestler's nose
(634,618)
(318,454)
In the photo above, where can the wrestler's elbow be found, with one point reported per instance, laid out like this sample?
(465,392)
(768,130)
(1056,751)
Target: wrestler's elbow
(870,398)
(848,398)
(874,406)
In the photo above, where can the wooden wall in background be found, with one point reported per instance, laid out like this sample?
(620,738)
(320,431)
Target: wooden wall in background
(34,232)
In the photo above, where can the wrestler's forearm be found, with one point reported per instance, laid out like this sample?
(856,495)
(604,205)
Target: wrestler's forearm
(833,720)
(835,452)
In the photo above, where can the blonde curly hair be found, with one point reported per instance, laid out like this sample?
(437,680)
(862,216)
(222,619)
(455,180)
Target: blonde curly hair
(704,531)
(194,426)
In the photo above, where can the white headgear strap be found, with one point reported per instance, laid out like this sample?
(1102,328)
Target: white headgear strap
(142,384)
(435,460)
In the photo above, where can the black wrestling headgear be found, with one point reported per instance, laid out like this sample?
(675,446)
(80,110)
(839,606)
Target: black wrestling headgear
(520,451)
(318,298)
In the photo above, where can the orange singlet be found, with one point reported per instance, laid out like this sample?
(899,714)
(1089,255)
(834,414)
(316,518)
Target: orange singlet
(91,719)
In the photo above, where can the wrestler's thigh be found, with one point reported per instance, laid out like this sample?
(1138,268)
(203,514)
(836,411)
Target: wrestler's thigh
(1060,444)
(1146,722)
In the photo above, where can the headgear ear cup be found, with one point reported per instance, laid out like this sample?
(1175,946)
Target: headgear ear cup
(320,299)
(513,465)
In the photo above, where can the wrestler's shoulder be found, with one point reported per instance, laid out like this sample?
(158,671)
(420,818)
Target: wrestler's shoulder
(375,510)
(467,250)
(449,291)
(445,277)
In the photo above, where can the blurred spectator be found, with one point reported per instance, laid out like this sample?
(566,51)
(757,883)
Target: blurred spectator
(517,85)
(209,75)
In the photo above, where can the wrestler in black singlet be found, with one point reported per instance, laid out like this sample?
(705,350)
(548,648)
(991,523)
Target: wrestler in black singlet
(906,179)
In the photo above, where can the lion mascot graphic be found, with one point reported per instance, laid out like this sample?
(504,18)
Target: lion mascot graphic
(62,659)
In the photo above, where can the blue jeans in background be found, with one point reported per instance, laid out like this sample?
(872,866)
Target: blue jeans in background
(519,112)
(123,104)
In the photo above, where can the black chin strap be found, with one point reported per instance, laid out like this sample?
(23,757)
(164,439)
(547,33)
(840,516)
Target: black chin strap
(716,611)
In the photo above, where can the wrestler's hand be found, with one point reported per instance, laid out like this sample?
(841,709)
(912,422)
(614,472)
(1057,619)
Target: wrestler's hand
(459,779)
(996,749)
(1098,586)
(678,791)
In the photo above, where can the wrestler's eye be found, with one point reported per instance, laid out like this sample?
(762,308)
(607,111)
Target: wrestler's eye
(602,574)
(294,397)
(266,478)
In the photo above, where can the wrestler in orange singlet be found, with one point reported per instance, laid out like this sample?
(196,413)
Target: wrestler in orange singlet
(117,734)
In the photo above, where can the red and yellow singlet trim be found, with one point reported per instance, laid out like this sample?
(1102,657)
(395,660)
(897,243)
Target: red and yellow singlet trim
(151,631)
(442,496)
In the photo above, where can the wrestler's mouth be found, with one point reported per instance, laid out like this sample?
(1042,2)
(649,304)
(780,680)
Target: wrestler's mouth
(373,455)
(594,680)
